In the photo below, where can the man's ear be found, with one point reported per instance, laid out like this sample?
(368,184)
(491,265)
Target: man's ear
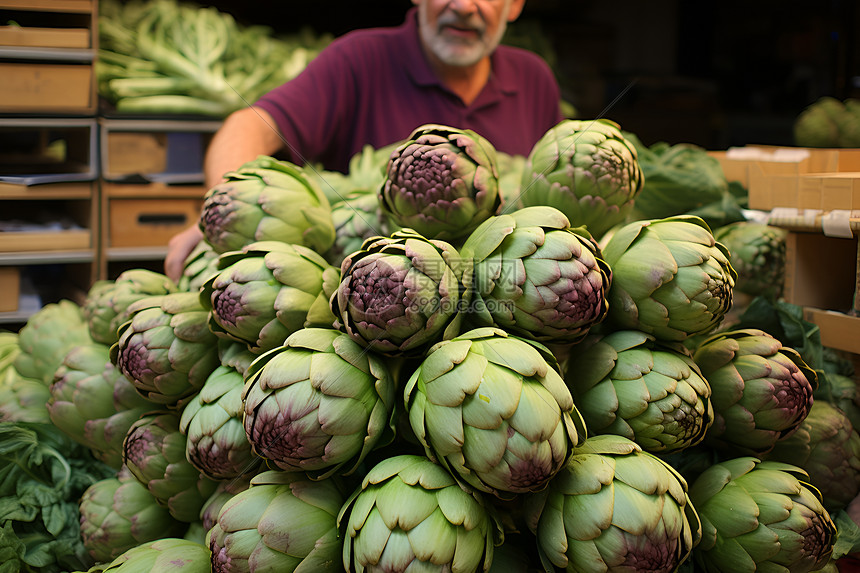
(515,10)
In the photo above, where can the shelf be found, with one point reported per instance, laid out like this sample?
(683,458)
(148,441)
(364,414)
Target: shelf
(135,253)
(45,257)
(72,6)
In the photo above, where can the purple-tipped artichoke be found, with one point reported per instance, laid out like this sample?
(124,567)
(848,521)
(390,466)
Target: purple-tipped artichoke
(166,348)
(827,447)
(212,423)
(267,291)
(154,452)
(494,410)
(320,403)
(267,200)
(536,276)
(761,390)
(670,278)
(614,508)
(119,513)
(442,182)
(399,295)
(200,264)
(587,170)
(93,403)
(760,516)
(628,384)
(105,308)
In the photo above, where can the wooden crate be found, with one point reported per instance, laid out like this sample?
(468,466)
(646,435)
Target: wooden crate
(149,222)
(35,87)
(10,288)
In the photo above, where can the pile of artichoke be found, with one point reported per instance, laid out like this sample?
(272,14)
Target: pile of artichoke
(429,376)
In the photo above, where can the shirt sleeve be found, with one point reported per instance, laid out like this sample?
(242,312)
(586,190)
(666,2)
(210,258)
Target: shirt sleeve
(309,110)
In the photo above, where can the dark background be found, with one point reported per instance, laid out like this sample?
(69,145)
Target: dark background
(712,73)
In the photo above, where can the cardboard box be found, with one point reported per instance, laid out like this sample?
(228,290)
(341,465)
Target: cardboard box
(71,240)
(149,222)
(838,330)
(167,151)
(821,271)
(47,88)
(10,288)
(33,37)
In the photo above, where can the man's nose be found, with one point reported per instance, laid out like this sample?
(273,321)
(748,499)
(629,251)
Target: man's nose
(464,6)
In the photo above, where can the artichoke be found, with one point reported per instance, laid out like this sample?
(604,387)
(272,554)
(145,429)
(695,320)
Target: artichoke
(105,308)
(356,219)
(154,452)
(266,200)
(93,403)
(267,291)
(760,516)
(761,390)
(200,264)
(47,336)
(283,522)
(827,447)
(536,277)
(757,254)
(614,508)
(23,399)
(441,182)
(670,278)
(587,170)
(166,348)
(401,294)
(627,383)
(320,403)
(119,513)
(212,423)
(494,410)
(165,555)
(223,493)
(411,515)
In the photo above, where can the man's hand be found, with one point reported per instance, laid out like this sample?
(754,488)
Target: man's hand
(178,249)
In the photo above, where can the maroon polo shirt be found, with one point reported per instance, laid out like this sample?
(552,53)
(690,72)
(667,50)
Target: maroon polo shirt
(375,86)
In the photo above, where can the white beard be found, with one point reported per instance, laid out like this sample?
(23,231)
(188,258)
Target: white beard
(456,51)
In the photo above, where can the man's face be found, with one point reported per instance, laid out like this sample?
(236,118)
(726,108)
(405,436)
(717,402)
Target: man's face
(463,32)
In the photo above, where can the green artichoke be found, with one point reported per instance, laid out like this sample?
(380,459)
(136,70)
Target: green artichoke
(629,384)
(93,403)
(537,277)
(166,348)
(757,254)
(320,403)
(827,447)
(365,172)
(411,515)
(494,410)
(23,399)
(441,182)
(670,278)
(165,555)
(760,516)
(223,493)
(106,306)
(154,452)
(399,295)
(267,200)
(46,338)
(119,513)
(828,122)
(761,390)
(587,170)
(356,219)
(212,423)
(267,291)
(200,264)
(284,522)
(614,508)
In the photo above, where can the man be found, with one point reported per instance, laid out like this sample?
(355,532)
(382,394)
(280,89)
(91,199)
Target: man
(444,65)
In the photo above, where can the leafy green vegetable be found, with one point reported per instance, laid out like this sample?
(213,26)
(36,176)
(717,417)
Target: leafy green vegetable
(42,475)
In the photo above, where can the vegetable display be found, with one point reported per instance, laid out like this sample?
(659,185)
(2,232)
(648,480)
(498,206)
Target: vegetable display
(508,386)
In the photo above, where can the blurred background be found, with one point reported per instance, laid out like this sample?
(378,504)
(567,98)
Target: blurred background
(712,73)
